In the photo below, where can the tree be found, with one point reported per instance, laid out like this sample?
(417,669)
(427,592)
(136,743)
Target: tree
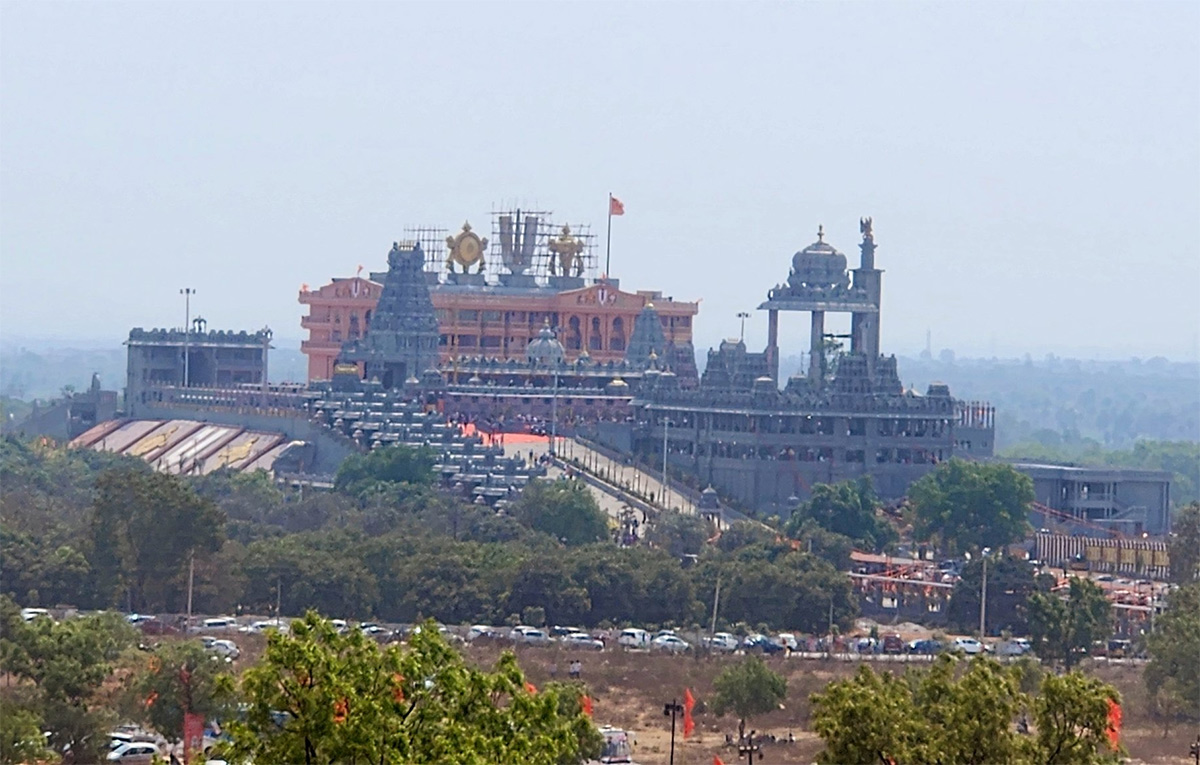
(1185,544)
(180,678)
(961,714)
(970,505)
(145,526)
(849,508)
(21,739)
(566,510)
(1010,582)
(65,663)
(678,534)
(1063,630)
(1071,717)
(323,697)
(1173,675)
(747,689)
(360,474)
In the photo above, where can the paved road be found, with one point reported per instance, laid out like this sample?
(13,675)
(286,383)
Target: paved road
(608,503)
(627,476)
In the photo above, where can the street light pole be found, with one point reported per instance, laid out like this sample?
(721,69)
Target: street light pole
(671,710)
(665,491)
(554,413)
(187,293)
(983,598)
(743,316)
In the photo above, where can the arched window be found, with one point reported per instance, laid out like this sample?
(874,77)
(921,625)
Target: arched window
(616,341)
(595,338)
(352,334)
(574,334)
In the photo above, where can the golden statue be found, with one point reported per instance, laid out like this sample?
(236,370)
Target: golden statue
(466,250)
(231,454)
(144,447)
(568,250)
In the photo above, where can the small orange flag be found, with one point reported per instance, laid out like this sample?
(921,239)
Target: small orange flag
(717,760)
(689,702)
(1114,724)
(586,703)
(530,688)
(615,206)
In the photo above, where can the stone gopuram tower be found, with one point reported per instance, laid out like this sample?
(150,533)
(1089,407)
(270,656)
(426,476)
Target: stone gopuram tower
(402,340)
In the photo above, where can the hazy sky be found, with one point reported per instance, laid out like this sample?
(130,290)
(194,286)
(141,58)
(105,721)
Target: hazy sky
(1033,170)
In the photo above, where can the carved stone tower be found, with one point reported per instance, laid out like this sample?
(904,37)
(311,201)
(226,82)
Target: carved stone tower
(402,340)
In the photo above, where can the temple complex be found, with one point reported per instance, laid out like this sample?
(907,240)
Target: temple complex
(493,308)
(764,444)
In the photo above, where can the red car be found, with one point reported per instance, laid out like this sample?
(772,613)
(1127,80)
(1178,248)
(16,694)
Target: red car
(893,644)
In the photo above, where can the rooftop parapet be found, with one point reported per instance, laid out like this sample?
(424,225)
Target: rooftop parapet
(140,336)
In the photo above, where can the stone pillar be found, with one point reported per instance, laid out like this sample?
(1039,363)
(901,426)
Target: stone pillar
(816,348)
(773,344)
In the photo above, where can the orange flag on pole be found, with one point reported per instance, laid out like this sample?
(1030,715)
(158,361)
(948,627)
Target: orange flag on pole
(717,760)
(530,688)
(1114,724)
(586,703)
(689,725)
(615,206)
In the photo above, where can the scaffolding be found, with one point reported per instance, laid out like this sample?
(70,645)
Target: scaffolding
(433,243)
(519,243)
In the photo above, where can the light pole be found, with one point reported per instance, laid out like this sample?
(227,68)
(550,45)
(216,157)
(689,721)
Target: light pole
(671,710)
(743,316)
(749,748)
(983,597)
(554,412)
(665,490)
(187,293)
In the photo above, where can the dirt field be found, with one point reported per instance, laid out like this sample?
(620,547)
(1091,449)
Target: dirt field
(630,689)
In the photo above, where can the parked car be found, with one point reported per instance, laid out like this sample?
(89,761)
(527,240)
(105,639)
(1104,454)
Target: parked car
(226,648)
(787,640)
(634,638)
(218,624)
(1119,649)
(670,643)
(135,753)
(926,646)
(892,643)
(722,641)
(582,640)
(1014,647)
(557,631)
(967,645)
(761,643)
(480,631)
(529,636)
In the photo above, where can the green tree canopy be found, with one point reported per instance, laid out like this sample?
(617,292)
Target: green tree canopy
(145,526)
(1185,544)
(952,714)
(1173,675)
(566,510)
(1010,583)
(178,678)
(748,688)
(323,697)
(970,505)
(65,664)
(1064,629)
(849,508)
(361,474)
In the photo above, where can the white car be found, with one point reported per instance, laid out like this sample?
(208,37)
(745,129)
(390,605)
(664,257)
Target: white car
(967,645)
(1014,647)
(480,631)
(634,638)
(135,753)
(29,614)
(787,640)
(219,624)
(533,637)
(723,641)
(582,640)
(670,643)
(226,648)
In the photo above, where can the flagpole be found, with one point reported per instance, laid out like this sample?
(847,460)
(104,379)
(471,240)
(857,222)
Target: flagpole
(608,241)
